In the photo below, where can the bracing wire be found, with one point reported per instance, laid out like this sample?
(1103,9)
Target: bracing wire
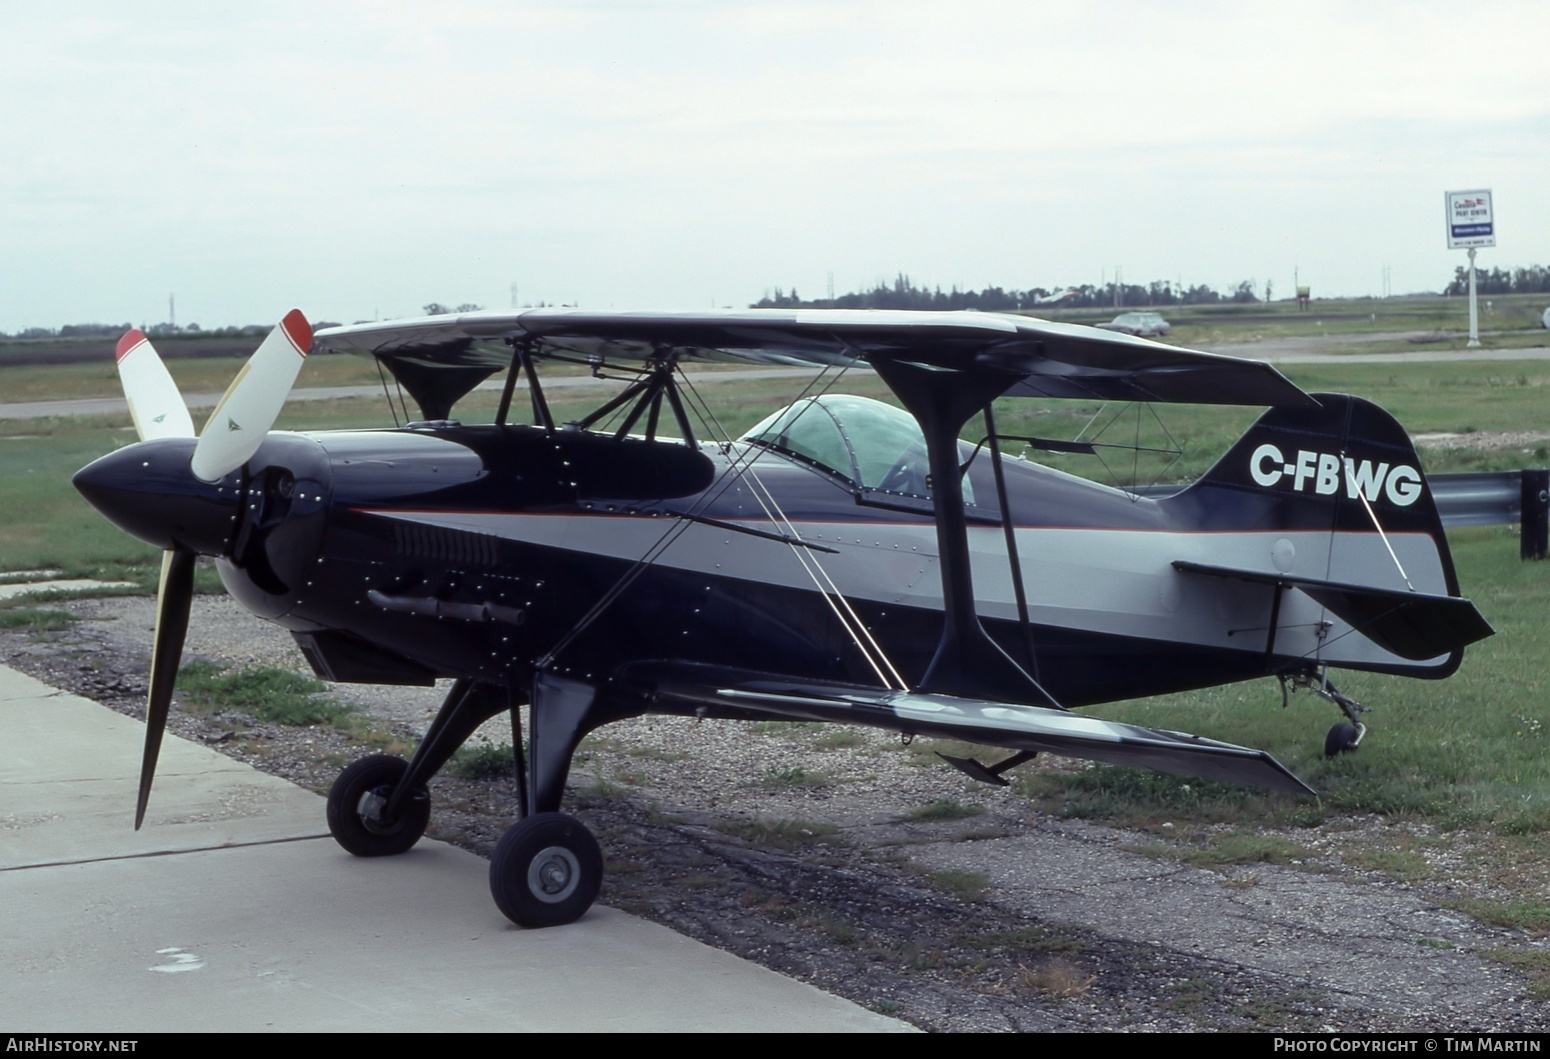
(735,470)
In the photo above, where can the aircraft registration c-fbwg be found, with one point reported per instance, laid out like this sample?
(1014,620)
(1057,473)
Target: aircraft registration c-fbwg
(845,560)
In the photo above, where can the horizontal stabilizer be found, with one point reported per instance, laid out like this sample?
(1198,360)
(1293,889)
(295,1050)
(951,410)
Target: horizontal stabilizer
(716,691)
(1413,625)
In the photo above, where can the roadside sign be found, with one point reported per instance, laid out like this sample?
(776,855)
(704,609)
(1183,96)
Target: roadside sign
(1470,222)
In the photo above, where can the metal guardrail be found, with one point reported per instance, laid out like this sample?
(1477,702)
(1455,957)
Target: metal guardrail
(1498,498)
(1490,498)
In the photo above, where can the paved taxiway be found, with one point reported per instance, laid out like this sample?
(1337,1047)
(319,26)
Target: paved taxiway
(232,909)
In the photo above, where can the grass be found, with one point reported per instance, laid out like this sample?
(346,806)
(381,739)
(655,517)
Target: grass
(1401,865)
(1530,916)
(837,738)
(795,776)
(1055,977)
(482,762)
(943,809)
(967,885)
(267,694)
(1534,963)
(1232,849)
(1031,939)
(782,834)
(30,619)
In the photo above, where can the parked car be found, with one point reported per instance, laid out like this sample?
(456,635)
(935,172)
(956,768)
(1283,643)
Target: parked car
(1146,324)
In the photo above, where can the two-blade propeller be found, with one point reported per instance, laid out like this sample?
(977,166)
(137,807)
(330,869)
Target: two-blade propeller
(234,432)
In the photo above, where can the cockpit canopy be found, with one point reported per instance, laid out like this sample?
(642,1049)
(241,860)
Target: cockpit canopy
(875,447)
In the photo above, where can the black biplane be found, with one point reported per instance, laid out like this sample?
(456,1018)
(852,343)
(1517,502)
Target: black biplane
(844,560)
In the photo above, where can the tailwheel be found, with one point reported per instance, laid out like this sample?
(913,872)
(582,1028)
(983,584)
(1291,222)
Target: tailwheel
(1344,736)
(1341,737)
(358,801)
(546,871)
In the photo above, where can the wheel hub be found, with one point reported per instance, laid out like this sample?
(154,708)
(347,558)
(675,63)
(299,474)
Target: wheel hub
(554,874)
(369,809)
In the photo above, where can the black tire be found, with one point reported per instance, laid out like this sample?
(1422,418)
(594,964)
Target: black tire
(546,871)
(1341,737)
(376,775)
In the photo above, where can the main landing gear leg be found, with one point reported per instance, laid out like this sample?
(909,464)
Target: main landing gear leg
(1344,736)
(380,805)
(547,869)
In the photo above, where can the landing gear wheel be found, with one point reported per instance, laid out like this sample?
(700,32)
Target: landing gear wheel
(546,871)
(1341,737)
(357,799)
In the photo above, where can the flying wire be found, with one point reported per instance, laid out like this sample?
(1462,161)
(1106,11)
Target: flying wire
(765,497)
(734,471)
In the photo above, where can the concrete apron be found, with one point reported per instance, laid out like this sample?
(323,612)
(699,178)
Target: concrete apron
(232,909)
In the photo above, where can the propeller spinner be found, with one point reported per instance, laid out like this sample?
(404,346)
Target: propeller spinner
(172,491)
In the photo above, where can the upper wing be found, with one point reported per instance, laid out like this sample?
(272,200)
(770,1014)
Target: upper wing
(1040,358)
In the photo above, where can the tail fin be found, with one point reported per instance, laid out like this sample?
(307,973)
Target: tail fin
(1340,498)
(1312,466)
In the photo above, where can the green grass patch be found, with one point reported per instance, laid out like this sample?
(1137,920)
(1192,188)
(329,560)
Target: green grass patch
(1031,939)
(795,776)
(267,694)
(1401,865)
(943,809)
(1530,916)
(967,885)
(1535,965)
(29,619)
(782,834)
(1232,849)
(485,761)
(1244,848)
(785,727)
(839,739)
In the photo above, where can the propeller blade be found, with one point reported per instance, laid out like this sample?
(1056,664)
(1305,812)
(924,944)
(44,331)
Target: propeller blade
(253,401)
(155,404)
(173,599)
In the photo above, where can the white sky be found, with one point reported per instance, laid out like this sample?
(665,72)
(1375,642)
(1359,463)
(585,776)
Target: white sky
(361,160)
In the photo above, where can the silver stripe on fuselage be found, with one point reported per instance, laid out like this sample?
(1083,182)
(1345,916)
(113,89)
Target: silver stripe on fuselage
(1114,582)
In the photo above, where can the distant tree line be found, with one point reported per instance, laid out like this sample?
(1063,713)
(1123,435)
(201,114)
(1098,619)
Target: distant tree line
(902,293)
(1532,280)
(154,330)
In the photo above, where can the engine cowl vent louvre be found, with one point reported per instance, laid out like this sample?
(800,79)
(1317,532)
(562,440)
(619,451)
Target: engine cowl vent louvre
(444,545)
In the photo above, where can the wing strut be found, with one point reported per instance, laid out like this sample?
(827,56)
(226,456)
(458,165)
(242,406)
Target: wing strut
(1009,528)
(967,661)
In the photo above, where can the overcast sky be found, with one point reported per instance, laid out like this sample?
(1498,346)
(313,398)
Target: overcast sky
(361,160)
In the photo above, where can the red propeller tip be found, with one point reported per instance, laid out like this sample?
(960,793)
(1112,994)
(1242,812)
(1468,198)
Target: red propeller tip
(298,331)
(132,338)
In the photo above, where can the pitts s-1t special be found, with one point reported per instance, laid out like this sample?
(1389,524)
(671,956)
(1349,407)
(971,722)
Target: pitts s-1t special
(845,560)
